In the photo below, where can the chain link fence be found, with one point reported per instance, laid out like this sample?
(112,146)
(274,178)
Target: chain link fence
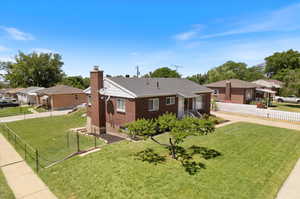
(50,151)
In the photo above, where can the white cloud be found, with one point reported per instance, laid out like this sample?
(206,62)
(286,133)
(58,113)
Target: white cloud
(189,34)
(3,48)
(16,34)
(285,19)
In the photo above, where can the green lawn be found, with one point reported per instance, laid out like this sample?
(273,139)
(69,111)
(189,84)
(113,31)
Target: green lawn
(255,161)
(286,106)
(41,110)
(51,136)
(11,111)
(5,191)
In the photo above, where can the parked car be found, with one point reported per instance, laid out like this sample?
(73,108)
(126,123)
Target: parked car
(291,99)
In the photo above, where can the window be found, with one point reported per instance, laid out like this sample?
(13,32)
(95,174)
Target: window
(170,100)
(199,103)
(153,104)
(121,105)
(216,92)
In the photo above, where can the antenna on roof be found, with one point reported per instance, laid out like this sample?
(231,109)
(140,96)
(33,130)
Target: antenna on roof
(137,71)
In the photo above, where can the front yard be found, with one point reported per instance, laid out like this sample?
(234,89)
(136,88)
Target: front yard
(255,161)
(11,111)
(51,136)
(281,106)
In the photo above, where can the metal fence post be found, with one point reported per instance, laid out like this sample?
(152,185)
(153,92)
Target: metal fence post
(25,151)
(77,135)
(37,160)
(68,141)
(95,141)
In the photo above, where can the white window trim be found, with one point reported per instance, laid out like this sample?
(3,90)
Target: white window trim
(153,102)
(117,104)
(171,100)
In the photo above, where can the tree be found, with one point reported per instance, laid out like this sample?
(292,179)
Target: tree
(254,73)
(199,78)
(34,69)
(76,81)
(234,70)
(280,63)
(292,83)
(164,72)
(179,130)
(229,70)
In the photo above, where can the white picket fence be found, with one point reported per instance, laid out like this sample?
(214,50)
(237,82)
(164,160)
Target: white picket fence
(252,110)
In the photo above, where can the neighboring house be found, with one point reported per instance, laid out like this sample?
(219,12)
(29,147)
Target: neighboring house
(271,84)
(10,92)
(234,91)
(61,97)
(28,95)
(115,101)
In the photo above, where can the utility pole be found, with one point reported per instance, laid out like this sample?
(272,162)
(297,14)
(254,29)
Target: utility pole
(137,71)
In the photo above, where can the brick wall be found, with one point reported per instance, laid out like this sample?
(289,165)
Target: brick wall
(138,108)
(64,101)
(143,112)
(116,118)
(237,95)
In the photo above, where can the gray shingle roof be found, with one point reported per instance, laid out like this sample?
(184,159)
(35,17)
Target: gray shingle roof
(60,89)
(235,83)
(30,89)
(143,87)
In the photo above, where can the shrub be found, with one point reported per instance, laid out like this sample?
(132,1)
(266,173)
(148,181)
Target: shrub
(141,127)
(166,122)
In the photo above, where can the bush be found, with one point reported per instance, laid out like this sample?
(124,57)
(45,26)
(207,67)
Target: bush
(141,127)
(166,122)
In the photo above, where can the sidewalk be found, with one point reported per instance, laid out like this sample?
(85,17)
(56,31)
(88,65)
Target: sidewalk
(290,188)
(22,180)
(33,115)
(256,120)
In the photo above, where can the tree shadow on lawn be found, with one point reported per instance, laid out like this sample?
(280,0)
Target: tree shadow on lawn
(185,156)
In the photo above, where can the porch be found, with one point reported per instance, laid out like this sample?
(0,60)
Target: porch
(191,105)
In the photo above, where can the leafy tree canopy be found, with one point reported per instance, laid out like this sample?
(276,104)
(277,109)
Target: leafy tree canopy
(280,63)
(199,78)
(292,83)
(163,72)
(34,69)
(76,81)
(229,70)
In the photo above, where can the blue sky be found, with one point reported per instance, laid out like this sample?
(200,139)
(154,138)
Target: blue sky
(118,35)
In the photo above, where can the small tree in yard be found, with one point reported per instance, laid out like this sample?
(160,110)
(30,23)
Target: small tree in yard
(141,127)
(179,129)
(166,122)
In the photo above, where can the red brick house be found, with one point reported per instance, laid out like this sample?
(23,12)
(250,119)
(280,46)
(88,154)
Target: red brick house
(115,101)
(61,97)
(233,91)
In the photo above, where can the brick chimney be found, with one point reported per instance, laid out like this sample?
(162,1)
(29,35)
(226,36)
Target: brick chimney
(98,116)
(228,91)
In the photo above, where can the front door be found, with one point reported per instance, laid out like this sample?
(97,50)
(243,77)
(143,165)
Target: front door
(180,107)
(186,104)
